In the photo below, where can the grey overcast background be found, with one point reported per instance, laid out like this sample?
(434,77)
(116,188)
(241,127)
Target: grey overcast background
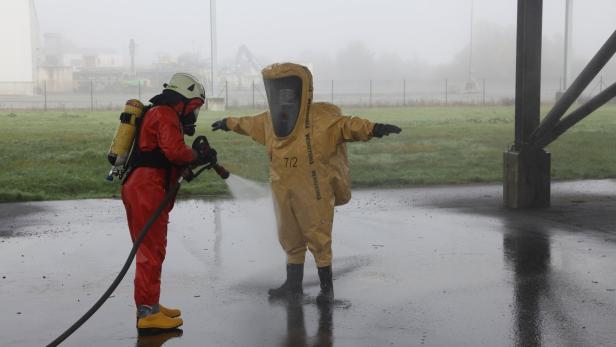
(410,33)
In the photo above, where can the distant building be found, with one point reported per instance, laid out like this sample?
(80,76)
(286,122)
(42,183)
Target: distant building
(19,39)
(66,67)
(103,60)
(56,79)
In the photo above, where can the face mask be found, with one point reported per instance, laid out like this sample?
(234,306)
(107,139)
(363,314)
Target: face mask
(189,121)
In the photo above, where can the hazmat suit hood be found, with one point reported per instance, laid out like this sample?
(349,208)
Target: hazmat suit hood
(289,93)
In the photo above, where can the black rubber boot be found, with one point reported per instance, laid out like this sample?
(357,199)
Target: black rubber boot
(292,287)
(326,296)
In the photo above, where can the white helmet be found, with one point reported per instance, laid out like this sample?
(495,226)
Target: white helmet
(186,85)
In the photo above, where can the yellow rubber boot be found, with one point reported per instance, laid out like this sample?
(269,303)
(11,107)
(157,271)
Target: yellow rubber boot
(157,322)
(170,312)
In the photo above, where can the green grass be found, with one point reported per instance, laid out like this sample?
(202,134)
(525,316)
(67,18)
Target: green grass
(62,155)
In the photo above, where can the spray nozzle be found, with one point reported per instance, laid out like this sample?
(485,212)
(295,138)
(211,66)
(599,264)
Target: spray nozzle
(201,144)
(190,175)
(221,171)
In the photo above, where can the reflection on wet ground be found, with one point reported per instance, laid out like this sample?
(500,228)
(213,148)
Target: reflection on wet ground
(436,266)
(527,252)
(297,335)
(540,291)
(157,340)
(14,214)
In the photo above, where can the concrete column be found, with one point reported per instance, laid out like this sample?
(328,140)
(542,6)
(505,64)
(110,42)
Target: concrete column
(526,177)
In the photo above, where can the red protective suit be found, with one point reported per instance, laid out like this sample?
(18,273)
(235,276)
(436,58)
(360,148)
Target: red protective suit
(143,192)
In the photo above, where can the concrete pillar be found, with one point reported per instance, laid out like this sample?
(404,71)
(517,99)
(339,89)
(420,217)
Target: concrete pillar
(526,181)
(526,171)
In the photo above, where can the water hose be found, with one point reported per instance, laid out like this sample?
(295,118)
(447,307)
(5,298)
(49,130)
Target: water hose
(170,194)
(188,176)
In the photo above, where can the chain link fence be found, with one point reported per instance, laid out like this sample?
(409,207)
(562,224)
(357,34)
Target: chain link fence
(251,94)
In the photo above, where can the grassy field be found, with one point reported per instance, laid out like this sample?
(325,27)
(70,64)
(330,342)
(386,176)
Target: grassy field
(62,155)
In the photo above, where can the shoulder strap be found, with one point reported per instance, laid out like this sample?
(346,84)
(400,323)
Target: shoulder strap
(138,158)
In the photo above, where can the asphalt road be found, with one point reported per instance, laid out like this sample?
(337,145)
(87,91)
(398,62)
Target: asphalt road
(442,266)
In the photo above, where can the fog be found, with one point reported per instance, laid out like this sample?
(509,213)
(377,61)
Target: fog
(430,30)
(340,40)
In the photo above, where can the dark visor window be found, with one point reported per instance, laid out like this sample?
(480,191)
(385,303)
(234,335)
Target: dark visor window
(284,97)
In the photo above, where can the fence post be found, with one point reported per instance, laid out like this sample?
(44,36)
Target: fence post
(370,98)
(484,91)
(332,91)
(446,92)
(92,95)
(226,94)
(45,95)
(403,92)
(253,95)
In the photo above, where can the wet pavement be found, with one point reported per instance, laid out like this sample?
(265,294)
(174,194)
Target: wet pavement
(443,266)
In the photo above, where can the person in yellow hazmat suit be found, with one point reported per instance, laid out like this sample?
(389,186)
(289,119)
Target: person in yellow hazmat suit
(309,170)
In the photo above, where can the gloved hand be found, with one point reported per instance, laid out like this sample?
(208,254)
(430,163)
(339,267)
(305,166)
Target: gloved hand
(381,130)
(205,154)
(220,125)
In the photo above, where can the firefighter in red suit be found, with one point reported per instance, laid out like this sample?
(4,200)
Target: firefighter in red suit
(158,160)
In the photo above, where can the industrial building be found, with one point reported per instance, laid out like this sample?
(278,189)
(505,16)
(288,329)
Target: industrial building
(20,42)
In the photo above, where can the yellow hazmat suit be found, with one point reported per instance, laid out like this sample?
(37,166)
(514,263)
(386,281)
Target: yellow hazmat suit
(309,169)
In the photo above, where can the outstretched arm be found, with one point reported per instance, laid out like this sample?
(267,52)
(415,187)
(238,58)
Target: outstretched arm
(358,129)
(354,129)
(253,126)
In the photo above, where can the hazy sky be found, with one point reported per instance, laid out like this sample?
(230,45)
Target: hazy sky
(432,30)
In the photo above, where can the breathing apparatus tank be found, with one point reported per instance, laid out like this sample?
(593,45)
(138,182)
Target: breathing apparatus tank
(123,140)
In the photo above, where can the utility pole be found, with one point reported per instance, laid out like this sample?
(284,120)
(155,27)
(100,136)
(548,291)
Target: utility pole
(470,47)
(45,93)
(213,41)
(131,50)
(92,95)
(567,43)
(403,92)
(370,99)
